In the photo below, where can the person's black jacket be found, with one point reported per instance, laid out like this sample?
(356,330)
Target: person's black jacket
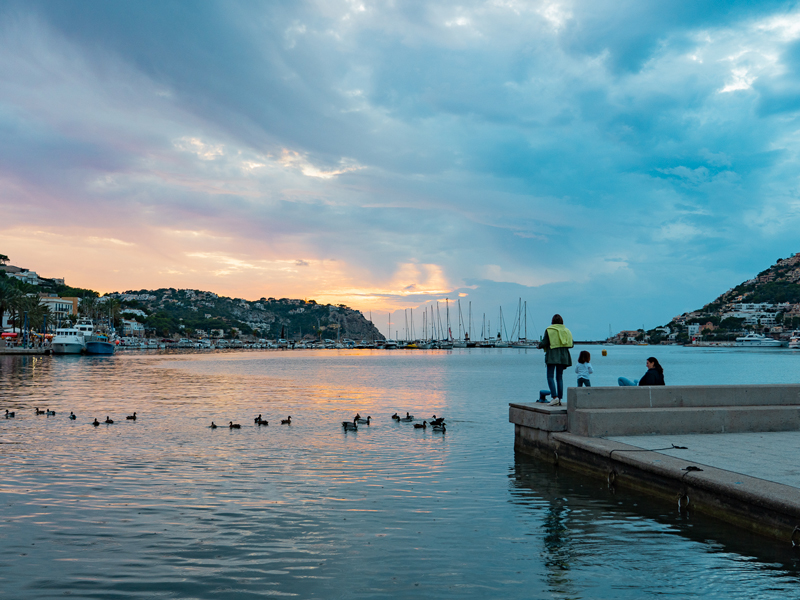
(652,377)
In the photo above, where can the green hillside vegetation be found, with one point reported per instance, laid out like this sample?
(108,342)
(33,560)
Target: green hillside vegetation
(194,313)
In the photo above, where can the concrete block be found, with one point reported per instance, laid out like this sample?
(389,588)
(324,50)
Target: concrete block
(683,396)
(538,416)
(669,421)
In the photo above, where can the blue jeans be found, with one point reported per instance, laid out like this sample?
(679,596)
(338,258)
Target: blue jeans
(624,381)
(582,381)
(558,371)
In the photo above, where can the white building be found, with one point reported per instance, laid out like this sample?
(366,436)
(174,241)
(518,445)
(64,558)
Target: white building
(132,328)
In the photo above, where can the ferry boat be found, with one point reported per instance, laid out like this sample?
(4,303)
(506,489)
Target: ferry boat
(756,340)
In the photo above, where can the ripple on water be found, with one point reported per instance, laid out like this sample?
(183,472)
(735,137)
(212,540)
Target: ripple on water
(165,507)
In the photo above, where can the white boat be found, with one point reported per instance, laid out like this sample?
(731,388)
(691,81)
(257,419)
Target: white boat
(794,341)
(69,340)
(756,340)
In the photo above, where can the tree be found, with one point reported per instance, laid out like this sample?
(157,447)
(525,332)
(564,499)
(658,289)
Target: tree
(3,259)
(8,296)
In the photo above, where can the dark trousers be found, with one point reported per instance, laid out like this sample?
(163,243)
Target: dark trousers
(584,382)
(555,379)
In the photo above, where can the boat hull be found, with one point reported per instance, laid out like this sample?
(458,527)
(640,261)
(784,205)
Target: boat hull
(102,348)
(67,348)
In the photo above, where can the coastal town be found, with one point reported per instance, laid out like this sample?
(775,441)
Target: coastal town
(762,311)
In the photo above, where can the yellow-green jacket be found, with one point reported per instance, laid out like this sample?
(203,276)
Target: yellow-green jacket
(556,343)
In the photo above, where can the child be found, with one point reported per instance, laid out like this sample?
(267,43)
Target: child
(584,369)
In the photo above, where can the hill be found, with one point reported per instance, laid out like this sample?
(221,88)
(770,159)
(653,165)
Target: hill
(769,303)
(193,313)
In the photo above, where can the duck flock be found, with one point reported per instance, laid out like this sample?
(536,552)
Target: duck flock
(436,423)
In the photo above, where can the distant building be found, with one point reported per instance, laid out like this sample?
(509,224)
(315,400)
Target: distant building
(132,328)
(61,307)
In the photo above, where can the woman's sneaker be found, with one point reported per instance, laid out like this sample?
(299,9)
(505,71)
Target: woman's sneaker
(555,402)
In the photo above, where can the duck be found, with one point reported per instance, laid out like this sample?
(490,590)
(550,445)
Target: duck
(261,421)
(39,412)
(109,420)
(360,420)
(349,426)
(96,422)
(72,416)
(441,428)
(51,413)
(233,425)
(396,417)
(437,421)
(287,420)
(213,425)
(131,417)
(10,415)
(257,420)
(423,426)
(408,418)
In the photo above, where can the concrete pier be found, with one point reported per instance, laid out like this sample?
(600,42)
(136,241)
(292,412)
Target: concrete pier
(24,351)
(714,449)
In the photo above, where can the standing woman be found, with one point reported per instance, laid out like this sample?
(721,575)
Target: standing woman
(556,344)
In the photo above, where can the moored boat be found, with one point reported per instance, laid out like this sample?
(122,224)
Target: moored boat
(68,340)
(757,340)
(100,344)
(794,341)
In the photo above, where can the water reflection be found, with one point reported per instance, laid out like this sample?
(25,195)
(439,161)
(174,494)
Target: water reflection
(603,543)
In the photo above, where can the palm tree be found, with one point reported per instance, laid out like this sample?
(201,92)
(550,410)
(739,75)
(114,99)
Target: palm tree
(7,293)
(88,306)
(13,301)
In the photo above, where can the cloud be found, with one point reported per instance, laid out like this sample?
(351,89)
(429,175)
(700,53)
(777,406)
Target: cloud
(405,150)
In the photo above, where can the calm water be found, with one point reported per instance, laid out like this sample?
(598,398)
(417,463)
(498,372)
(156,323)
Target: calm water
(167,508)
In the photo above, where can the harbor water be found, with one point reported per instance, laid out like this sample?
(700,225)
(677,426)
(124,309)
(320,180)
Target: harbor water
(165,507)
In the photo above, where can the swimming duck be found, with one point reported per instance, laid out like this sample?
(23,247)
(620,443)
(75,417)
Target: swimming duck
(233,425)
(360,420)
(261,421)
(441,428)
(96,422)
(131,417)
(213,425)
(72,416)
(257,420)
(408,418)
(435,421)
(10,415)
(51,413)
(109,420)
(39,412)
(349,426)
(396,417)
(286,421)
(423,426)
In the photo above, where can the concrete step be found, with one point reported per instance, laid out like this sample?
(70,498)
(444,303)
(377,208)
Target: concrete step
(668,421)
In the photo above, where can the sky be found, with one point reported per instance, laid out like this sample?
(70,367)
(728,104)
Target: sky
(617,162)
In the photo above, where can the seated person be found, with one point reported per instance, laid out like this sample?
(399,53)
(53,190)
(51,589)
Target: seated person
(654,375)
